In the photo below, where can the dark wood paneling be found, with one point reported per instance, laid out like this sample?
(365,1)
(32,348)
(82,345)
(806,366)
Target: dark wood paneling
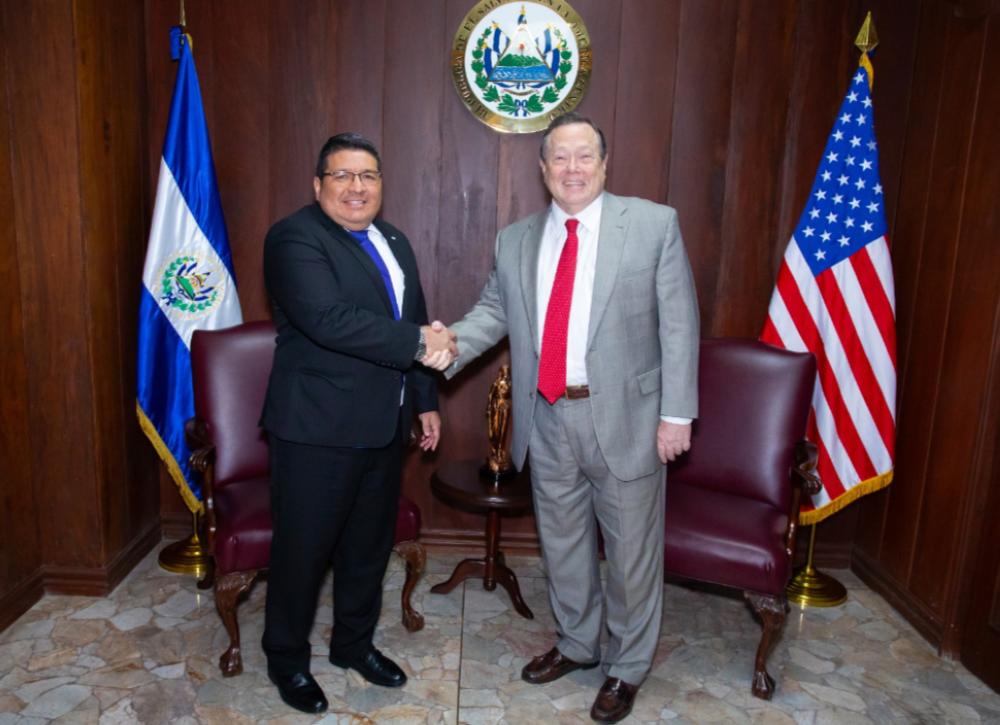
(641,140)
(53,278)
(111,82)
(358,68)
(78,489)
(700,144)
(758,124)
(300,56)
(964,356)
(240,90)
(918,541)
(19,553)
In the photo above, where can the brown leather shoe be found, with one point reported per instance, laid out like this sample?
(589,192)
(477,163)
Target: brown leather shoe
(614,701)
(551,666)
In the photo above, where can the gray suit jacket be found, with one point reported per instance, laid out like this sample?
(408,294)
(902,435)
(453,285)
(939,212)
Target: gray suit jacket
(642,357)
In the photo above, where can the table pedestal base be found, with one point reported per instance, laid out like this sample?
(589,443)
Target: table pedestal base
(492,569)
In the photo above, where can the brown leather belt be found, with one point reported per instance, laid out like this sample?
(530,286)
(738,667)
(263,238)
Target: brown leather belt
(577,392)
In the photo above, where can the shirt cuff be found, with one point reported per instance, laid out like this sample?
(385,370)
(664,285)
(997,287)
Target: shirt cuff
(676,420)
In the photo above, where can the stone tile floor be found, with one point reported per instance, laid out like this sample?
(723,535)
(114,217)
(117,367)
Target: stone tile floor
(148,654)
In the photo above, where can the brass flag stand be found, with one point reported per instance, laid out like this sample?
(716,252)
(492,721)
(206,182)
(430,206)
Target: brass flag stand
(809,586)
(812,588)
(186,556)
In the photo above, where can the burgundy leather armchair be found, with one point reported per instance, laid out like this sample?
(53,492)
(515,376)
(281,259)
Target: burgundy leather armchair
(732,503)
(230,369)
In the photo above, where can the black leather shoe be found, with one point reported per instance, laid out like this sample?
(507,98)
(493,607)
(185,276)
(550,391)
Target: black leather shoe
(374,667)
(300,691)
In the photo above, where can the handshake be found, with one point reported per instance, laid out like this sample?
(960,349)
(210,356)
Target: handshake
(442,346)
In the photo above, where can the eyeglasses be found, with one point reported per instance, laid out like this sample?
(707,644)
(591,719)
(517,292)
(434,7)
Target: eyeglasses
(343,177)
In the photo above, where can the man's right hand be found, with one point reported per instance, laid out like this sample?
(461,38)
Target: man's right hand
(441,346)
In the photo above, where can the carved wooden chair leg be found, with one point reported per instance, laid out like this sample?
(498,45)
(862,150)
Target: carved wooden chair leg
(228,588)
(772,611)
(415,557)
(208,581)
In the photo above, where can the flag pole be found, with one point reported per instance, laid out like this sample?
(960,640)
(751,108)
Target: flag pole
(809,586)
(187,556)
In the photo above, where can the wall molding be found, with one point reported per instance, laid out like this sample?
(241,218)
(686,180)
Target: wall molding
(99,582)
(20,599)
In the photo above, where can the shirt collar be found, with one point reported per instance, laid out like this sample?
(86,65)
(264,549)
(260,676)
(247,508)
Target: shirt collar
(590,217)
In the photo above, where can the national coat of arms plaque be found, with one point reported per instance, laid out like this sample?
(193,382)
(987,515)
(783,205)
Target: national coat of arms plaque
(519,63)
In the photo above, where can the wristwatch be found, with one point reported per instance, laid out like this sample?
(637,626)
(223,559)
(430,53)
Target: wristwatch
(421,346)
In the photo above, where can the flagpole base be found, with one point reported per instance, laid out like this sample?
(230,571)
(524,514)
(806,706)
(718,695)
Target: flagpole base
(812,588)
(187,556)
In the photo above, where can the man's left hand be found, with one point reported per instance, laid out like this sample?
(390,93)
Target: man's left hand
(672,440)
(431,423)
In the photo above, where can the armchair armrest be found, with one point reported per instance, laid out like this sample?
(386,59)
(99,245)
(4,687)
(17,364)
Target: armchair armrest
(804,481)
(804,475)
(202,459)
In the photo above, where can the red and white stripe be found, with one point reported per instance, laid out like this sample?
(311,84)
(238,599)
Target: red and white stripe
(846,317)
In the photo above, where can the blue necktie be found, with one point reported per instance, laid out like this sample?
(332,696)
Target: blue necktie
(367,245)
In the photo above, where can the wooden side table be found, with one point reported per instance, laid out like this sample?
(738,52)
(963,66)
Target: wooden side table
(459,484)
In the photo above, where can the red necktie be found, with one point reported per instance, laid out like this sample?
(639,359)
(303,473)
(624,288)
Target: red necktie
(552,367)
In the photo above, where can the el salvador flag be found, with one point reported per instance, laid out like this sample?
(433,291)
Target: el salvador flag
(188,280)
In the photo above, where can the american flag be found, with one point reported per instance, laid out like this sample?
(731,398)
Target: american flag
(834,297)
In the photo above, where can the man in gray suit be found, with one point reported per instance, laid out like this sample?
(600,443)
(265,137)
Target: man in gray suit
(597,297)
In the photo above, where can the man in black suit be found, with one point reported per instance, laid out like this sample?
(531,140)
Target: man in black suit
(351,324)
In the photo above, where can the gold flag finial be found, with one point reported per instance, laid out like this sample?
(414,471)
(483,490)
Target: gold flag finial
(866,41)
(183,19)
(867,37)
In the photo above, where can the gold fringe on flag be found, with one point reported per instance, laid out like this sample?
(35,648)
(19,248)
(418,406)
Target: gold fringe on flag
(807,518)
(175,471)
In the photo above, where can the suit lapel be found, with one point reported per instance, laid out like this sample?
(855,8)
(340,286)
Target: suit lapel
(531,245)
(610,244)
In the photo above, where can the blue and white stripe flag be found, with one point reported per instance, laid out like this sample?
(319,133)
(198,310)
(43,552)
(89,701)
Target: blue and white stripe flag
(188,281)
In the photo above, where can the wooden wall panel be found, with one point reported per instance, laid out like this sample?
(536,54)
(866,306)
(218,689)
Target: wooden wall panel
(644,102)
(239,92)
(920,537)
(963,356)
(357,71)
(700,144)
(80,505)
(303,102)
(20,557)
(764,39)
(47,196)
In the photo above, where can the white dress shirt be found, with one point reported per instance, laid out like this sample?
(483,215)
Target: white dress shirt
(395,274)
(395,271)
(553,240)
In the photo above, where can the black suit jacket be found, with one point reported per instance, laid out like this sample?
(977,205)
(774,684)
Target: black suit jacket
(341,355)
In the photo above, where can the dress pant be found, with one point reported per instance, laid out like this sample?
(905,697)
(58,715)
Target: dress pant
(573,490)
(328,504)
